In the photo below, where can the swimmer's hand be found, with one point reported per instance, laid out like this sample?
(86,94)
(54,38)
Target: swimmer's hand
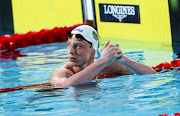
(111,53)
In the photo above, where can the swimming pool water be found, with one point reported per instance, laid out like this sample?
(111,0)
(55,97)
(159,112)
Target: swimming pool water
(131,95)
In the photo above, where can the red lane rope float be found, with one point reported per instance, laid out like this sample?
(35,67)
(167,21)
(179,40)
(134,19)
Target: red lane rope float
(56,33)
(30,38)
(16,41)
(4,43)
(175,114)
(172,65)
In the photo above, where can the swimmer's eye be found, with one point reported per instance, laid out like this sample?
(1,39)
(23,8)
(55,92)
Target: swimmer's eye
(68,44)
(78,46)
(75,46)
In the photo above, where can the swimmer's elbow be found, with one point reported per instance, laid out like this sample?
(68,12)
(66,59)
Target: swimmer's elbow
(152,71)
(58,82)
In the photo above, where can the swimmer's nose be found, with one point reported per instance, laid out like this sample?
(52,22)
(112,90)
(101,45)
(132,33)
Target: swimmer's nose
(71,50)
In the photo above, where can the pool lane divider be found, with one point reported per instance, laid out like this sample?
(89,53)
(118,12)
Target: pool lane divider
(161,68)
(9,43)
(49,85)
(24,87)
(166,67)
(175,114)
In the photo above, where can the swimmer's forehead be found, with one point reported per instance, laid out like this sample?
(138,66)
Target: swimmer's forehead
(77,41)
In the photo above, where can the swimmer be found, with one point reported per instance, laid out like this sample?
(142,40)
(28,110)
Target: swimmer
(82,68)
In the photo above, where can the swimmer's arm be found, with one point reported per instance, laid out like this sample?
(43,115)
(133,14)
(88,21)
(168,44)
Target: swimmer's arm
(83,76)
(116,68)
(136,67)
(58,76)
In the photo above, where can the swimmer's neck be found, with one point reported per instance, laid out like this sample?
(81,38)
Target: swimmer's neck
(78,69)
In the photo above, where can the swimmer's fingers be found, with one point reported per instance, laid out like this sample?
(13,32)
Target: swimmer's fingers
(119,54)
(106,44)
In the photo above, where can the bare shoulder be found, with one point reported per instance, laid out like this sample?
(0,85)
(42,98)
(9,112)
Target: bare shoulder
(63,71)
(58,76)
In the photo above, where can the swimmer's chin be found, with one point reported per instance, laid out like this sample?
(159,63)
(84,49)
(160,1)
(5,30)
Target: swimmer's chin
(73,64)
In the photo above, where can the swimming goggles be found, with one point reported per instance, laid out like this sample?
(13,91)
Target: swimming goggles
(78,37)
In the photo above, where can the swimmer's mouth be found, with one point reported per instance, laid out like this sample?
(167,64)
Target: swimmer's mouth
(72,59)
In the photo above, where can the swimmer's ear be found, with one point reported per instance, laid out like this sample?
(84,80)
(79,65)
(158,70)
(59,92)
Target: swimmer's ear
(94,51)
